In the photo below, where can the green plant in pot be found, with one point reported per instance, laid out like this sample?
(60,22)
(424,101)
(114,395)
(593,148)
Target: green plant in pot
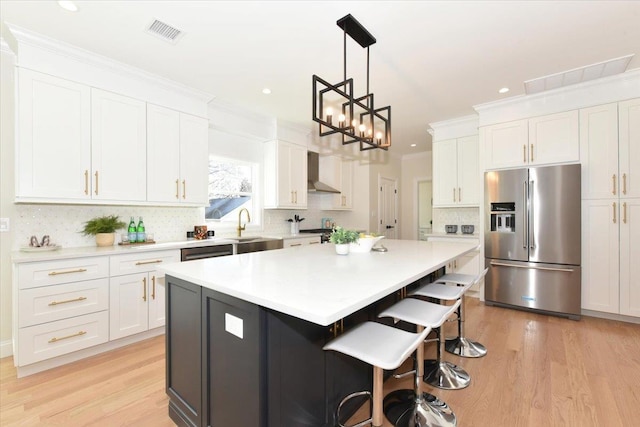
(342,237)
(104,228)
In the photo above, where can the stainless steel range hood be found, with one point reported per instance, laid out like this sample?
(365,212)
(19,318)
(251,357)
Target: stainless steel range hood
(313,175)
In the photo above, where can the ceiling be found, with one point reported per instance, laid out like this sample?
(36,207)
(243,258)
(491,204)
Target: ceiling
(432,61)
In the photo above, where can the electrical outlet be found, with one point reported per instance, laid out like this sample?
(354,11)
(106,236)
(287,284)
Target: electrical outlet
(4,224)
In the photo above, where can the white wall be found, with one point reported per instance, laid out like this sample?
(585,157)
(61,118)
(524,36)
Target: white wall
(414,167)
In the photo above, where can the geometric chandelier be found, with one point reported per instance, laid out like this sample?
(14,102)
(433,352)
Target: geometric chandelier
(357,118)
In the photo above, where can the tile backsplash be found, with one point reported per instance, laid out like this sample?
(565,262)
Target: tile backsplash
(455,216)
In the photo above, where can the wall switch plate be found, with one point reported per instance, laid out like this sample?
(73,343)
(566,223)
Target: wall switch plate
(4,224)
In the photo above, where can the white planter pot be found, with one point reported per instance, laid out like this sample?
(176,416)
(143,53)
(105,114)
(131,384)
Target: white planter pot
(342,249)
(105,239)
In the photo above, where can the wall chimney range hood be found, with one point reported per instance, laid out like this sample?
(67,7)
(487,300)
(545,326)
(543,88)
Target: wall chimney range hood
(313,175)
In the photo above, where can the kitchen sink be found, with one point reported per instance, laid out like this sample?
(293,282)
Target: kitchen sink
(246,239)
(257,244)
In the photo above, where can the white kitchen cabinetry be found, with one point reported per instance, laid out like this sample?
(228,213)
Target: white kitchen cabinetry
(466,264)
(285,175)
(137,297)
(177,157)
(549,139)
(610,145)
(456,172)
(53,154)
(300,241)
(338,173)
(61,307)
(118,147)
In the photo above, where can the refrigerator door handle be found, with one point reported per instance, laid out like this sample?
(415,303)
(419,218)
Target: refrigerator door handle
(501,264)
(532,230)
(524,216)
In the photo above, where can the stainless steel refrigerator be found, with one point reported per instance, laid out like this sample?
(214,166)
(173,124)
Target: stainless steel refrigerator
(532,239)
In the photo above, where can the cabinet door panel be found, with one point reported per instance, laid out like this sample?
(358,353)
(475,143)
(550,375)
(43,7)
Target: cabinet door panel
(194,160)
(118,149)
(469,177)
(599,151)
(128,312)
(506,145)
(600,256)
(298,177)
(629,131)
(157,300)
(445,180)
(163,152)
(554,138)
(53,152)
(629,256)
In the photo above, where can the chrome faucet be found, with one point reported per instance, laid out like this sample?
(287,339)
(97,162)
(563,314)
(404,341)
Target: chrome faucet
(242,227)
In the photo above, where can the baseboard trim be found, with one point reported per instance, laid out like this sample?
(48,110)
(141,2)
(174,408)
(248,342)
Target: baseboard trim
(6,348)
(611,316)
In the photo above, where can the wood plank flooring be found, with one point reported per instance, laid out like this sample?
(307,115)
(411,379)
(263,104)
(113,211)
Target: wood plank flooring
(540,371)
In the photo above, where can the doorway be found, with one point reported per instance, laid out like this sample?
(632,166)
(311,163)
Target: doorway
(425,208)
(388,208)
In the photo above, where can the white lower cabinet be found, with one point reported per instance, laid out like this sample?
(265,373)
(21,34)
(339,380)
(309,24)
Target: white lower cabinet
(466,264)
(300,241)
(137,301)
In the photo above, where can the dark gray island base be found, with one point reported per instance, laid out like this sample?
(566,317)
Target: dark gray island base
(276,375)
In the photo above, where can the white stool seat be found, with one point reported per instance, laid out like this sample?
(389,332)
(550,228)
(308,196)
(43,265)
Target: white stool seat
(420,312)
(378,344)
(458,279)
(440,291)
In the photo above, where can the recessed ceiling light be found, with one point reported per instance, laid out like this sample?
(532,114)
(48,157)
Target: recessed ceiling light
(266,91)
(68,5)
(504,90)
(413,145)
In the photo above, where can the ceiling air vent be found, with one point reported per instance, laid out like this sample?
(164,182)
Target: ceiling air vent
(164,31)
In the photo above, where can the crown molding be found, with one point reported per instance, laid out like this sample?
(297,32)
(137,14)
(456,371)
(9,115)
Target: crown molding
(5,48)
(30,38)
(454,128)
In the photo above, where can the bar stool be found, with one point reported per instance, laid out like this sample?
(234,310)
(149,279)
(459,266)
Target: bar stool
(381,346)
(439,289)
(418,408)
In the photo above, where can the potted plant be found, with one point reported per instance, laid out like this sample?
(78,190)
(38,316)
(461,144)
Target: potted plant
(341,238)
(104,228)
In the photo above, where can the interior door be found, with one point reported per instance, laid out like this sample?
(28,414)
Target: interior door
(387,208)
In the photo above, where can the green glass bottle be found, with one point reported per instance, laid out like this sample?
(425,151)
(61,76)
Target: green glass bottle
(131,230)
(141,234)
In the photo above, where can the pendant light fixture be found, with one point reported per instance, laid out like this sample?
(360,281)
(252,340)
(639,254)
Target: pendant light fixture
(337,110)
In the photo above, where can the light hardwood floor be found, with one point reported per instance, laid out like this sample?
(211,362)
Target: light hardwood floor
(540,371)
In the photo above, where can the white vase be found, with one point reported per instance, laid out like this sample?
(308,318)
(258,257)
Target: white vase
(105,239)
(342,249)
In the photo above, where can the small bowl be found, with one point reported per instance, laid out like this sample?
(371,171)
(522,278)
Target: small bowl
(364,244)
(451,229)
(467,229)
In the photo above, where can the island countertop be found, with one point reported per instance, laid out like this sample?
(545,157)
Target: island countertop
(315,284)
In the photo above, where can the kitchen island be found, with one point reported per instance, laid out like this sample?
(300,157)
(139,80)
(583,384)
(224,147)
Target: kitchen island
(245,333)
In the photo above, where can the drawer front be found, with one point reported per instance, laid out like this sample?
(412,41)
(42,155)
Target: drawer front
(41,342)
(142,262)
(287,243)
(32,275)
(57,302)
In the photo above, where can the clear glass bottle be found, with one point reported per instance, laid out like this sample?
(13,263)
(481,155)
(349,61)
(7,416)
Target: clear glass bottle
(132,231)
(141,234)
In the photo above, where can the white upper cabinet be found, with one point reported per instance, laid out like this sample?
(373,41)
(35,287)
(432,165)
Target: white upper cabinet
(629,131)
(456,172)
(549,139)
(53,153)
(118,148)
(177,157)
(338,173)
(285,177)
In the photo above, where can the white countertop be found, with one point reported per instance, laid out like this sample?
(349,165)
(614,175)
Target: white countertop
(312,282)
(458,235)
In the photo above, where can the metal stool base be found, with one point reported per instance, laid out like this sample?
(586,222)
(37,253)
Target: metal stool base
(403,410)
(464,347)
(445,375)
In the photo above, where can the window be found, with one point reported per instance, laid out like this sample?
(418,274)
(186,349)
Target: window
(232,186)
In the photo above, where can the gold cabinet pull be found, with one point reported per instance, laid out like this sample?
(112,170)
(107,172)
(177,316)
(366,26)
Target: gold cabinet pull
(613,177)
(314,243)
(77,270)
(531,159)
(296,244)
(291,196)
(524,153)
(459,194)
(96,174)
(614,213)
(153,287)
(144,289)
(54,339)
(295,193)
(624,213)
(624,183)
(184,189)
(155,261)
(177,188)
(86,182)
(67,301)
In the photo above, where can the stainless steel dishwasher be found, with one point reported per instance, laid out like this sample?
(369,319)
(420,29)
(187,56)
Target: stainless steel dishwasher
(200,252)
